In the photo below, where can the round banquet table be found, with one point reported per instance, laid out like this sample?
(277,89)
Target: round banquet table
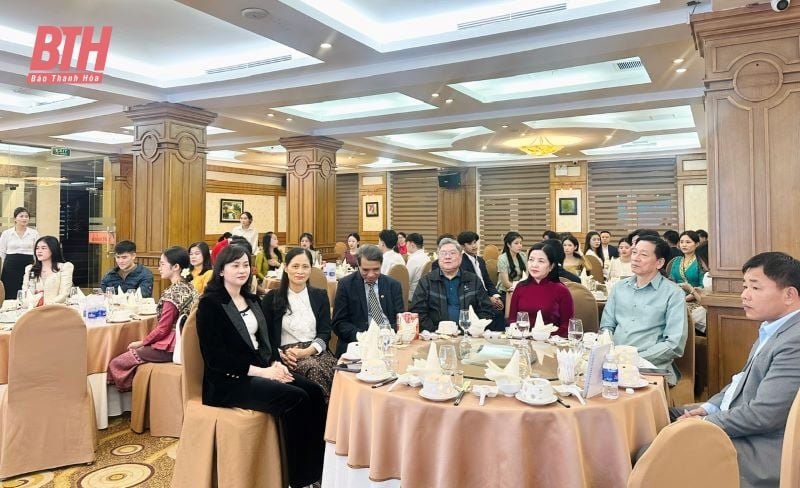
(379,438)
(103,343)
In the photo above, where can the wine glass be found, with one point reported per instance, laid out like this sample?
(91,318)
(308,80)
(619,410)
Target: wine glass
(72,298)
(575,332)
(447,358)
(523,323)
(20,299)
(464,324)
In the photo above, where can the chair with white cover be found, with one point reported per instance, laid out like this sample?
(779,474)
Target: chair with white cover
(585,305)
(157,398)
(683,392)
(690,453)
(490,251)
(47,414)
(222,446)
(400,273)
(790,455)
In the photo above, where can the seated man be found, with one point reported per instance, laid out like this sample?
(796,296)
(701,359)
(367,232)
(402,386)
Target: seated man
(647,310)
(365,295)
(443,292)
(754,407)
(127,274)
(387,241)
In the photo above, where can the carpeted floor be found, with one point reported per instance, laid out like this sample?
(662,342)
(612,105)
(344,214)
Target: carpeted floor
(124,459)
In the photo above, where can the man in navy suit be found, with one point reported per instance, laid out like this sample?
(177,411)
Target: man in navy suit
(475,264)
(351,309)
(608,250)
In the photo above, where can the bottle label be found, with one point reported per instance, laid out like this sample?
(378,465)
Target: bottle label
(610,375)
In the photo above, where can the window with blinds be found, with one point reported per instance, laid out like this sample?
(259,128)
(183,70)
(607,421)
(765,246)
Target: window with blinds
(514,199)
(414,197)
(628,195)
(346,205)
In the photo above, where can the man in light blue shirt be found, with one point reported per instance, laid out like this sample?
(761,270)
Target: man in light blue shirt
(754,407)
(648,311)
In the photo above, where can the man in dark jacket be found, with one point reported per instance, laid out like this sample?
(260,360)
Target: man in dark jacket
(442,293)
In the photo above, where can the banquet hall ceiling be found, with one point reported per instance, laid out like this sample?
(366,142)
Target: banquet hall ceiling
(404,84)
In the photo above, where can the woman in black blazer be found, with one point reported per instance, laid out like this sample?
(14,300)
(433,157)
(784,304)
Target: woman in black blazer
(242,367)
(299,321)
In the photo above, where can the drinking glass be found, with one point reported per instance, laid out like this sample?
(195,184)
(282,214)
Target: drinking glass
(72,298)
(20,299)
(525,369)
(386,335)
(464,324)
(523,323)
(575,332)
(447,358)
(390,358)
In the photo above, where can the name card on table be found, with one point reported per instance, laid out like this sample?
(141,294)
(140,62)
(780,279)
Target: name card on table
(594,371)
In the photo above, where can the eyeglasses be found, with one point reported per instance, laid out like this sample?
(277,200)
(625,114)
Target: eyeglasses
(448,253)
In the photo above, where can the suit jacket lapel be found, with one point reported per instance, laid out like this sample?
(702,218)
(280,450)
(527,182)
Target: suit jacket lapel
(238,322)
(263,336)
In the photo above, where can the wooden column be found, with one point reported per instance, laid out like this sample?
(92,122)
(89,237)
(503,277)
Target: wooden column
(752,66)
(311,190)
(168,207)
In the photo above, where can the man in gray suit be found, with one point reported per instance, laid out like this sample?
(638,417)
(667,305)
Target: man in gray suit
(754,407)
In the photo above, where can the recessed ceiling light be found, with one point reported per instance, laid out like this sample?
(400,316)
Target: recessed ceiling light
(435,95)
(483,148)
(504,126)
(100,137)
(254,13)
(680,70)
(270,115)
(289,119)
(677,60)
(326,45)
(449,100)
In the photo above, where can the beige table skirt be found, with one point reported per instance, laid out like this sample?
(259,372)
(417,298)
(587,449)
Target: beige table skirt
(505,443)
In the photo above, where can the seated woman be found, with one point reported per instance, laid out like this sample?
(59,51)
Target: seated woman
(175,301)
(685,270)
(353,240)
(269,257)
(242,368)
(307,242)
(542,291)
(200,260)
(51,274)
(620,267)
(299,321)
(573,261)
(698,311)
(593,246)
(510,264)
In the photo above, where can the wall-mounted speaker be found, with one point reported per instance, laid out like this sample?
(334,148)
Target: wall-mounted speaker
(452,180)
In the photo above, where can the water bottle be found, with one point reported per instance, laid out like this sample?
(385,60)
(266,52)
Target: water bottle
(610,378)
(96,308)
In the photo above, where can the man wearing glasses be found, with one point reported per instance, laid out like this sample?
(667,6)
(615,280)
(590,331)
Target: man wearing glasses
(443,292)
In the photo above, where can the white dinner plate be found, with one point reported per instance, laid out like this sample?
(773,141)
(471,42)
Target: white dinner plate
(519,396)
(109,321)
(453,393)
(351,357)
(373,379)
(641,384)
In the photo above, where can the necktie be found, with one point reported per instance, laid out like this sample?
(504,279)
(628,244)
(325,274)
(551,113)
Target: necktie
(374,305)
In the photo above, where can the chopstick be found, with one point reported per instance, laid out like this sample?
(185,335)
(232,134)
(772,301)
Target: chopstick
(561,402)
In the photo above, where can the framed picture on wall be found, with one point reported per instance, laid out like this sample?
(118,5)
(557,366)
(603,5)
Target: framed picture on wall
(371,209)
(230,210)
(568,206)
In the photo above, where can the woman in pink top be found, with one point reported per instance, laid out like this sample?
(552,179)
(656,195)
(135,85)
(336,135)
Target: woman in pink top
(175,301)
(543,291)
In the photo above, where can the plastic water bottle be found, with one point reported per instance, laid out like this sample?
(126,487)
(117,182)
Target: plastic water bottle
(96,308)
(610,378)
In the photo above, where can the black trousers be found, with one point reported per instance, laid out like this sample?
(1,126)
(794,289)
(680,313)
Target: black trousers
(300,408)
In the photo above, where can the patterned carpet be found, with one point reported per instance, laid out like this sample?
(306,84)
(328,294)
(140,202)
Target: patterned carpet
(124,459)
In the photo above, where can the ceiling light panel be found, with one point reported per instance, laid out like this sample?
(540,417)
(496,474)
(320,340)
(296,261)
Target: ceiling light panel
(353,108)
(431,139)
(596,76)
(659,119)
(654,143)
(480,157)
(210,130)
(389,163)
(24,100)
(16,149)
(97,136)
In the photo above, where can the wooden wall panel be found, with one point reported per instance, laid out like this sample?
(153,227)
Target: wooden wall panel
(457,205)
(371,184)
(783,178)
(730,337)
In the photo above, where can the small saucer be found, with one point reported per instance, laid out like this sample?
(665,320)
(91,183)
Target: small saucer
(373,379)
(110,321)
(351,357)
(524,399)
(453,393)
(641,384)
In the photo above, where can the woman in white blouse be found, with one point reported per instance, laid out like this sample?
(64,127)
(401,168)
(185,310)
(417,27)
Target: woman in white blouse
(247,231)
(620,268)
(16,251)
(50,273)
(299,319)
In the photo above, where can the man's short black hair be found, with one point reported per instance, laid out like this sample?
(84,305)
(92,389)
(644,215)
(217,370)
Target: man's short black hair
(123,247)
(389,238)
(416,238)
(671,236)
(550,234)
(467,236)
(241,242)
(662,248)
(781,268)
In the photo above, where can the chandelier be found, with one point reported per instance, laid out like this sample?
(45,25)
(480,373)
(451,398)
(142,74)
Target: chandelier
(541,146)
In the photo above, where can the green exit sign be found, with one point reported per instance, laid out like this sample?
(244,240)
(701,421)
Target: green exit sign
(60,151)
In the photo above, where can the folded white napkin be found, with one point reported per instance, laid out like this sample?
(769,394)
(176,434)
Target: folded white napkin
(369,342)
(81,295)
(566,390)
(604,338)
(427,367)
(568,364)
(511,371)
(409,379)
(476,324)
(138,295)
(119,290)
(539,323)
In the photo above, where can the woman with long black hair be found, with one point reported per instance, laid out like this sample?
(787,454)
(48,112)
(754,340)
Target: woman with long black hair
(510,264)
(52,276)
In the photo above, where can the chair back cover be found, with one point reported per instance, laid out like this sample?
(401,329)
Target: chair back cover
(683,392)
(426,268)
(691,453)
(339,248)
(193,366)
(400,273)
(177,353)
(490,251)
(597,268)
(585,306)
(491,267)
(318,279)
(790,456)
(47,414)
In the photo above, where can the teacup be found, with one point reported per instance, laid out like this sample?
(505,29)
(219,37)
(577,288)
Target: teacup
(508,386)
(146,308)
(437,385)
(375,367)
(628,375)
(626,355)
(447,327)
(353,350)
(589,338)
(537,389)
(540,334)
(407,335)
(119,316)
